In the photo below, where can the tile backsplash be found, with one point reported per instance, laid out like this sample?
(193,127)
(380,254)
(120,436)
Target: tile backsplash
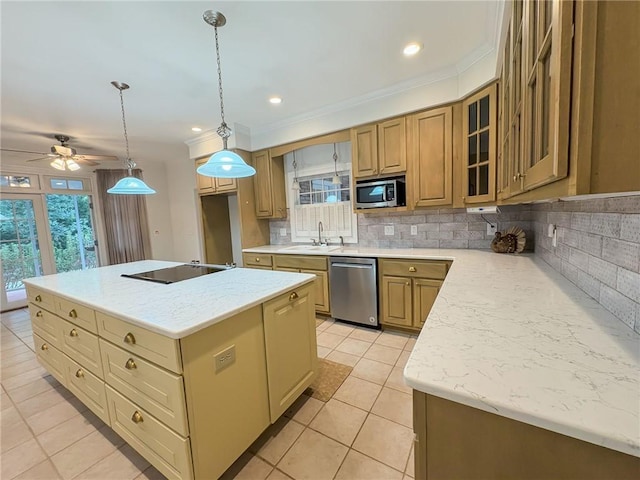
(598,249)
(598,241)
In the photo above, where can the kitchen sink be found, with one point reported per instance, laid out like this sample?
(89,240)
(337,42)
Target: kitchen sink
(310,248)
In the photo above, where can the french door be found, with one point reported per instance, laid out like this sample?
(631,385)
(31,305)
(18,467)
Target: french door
(40,235)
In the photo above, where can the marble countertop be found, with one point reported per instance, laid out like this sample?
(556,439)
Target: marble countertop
(511,336)
(175,310)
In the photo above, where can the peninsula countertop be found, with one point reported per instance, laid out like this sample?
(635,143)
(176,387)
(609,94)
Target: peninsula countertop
(175,310)
(511,336)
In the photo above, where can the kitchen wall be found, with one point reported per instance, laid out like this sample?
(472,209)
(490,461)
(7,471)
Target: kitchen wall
(598,249)
(436,228)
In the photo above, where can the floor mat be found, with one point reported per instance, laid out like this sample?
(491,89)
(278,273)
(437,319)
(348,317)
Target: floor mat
(330,377)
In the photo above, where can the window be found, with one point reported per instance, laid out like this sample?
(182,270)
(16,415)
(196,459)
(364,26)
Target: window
(19,181)
(66,184)
(320,189)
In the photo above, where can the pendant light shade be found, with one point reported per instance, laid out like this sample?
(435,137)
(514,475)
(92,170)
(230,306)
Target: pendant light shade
(225,163)
(129,185)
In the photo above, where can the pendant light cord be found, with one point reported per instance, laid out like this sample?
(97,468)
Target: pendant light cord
(129,163)
(335,160)
(223,130)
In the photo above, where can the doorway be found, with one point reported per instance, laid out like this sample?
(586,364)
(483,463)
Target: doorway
(41,235)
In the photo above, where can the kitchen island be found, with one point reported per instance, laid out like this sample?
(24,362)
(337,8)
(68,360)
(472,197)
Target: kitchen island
(516,373)
(188,373)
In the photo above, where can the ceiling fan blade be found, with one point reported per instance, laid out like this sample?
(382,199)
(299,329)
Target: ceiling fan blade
(21,151)
(39,158)
(100,158)
(85,161)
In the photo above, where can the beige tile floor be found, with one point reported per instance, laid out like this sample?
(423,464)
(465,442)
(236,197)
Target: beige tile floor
(362,432)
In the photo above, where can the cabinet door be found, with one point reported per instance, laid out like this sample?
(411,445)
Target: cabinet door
(205,184)
(321,290)
(291,351)
(225,184)
(548,37)
(479,146)
(392,146)
(364,145)
(262,184)
(424,294)
(430,144)
(396,300)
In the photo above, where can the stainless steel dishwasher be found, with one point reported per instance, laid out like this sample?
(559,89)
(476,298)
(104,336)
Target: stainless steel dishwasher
(354,291)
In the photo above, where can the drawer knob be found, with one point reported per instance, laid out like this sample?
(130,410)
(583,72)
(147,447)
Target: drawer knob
(407,283)
(257,259)
(412,269)
(130,339)
(44,347)
(38,298)
(73,333)
(80,373)
(39,313)
(73,313)
(137,417)
(293,296)
(130,365)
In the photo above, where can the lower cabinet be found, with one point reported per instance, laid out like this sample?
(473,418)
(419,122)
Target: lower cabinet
(408,289)
(315,265)
(192,406)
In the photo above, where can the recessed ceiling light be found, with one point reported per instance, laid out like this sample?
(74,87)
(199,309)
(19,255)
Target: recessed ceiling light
(196,129)
(412,48)
(275,100)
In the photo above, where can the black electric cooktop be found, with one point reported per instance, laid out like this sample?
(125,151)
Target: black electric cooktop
(176,274)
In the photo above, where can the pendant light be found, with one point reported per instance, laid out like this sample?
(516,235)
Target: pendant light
(336,179)
(129,185)
(225,163)
(295,186)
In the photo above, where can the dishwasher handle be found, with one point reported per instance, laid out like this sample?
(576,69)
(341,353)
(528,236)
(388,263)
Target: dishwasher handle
(352,265)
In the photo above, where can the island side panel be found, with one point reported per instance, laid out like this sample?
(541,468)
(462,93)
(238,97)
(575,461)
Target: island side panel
(463,442)
(226,387)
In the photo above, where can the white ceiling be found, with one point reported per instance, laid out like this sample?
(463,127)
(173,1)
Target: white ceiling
(58,59)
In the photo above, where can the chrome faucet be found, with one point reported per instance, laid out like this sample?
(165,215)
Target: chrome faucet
(320,231)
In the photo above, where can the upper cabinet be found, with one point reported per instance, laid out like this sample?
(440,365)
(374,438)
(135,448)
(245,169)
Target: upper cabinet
(479,146)
(379,149)
(269,186)
(430,158)
(210,185)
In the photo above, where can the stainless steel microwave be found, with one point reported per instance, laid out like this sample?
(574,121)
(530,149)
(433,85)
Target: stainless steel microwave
(388,192)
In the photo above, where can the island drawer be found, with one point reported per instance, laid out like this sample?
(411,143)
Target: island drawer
(152,346)
(256,260)
(87,387)
(414,268)
(300,261)
(46,325)
(82,346)
(167,451)
(156,390)
(50,357)
(41,298)
(82,316)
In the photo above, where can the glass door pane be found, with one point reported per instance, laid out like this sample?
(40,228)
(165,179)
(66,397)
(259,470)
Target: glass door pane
(21,238)
(72,233)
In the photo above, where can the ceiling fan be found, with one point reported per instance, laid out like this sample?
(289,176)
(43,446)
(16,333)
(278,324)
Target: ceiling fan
(64,157)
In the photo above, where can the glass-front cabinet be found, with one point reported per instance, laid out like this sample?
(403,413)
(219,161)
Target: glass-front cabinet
(479,146)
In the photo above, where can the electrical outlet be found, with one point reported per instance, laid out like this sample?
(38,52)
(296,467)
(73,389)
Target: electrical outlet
(554,237)
(388,230)
(414,229)
(491,229)
(283,232)
(225,358)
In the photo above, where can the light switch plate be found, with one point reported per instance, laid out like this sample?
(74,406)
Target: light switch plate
(414,229)
(491,229)
(225,358)
(388,230)
(552,228)
(283,232)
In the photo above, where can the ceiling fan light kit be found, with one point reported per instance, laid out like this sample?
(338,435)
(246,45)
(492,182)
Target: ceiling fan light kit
(129,185)
(225,163)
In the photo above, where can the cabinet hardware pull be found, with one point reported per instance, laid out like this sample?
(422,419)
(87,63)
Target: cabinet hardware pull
(73,313)
(375,170)
(257,259)
(137,417)
(130,339)
(293,296)
(39,313)
(407,283)
(73,333)
(80,373)
(44,347)
(38,298)
(412,269)
(130,365)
